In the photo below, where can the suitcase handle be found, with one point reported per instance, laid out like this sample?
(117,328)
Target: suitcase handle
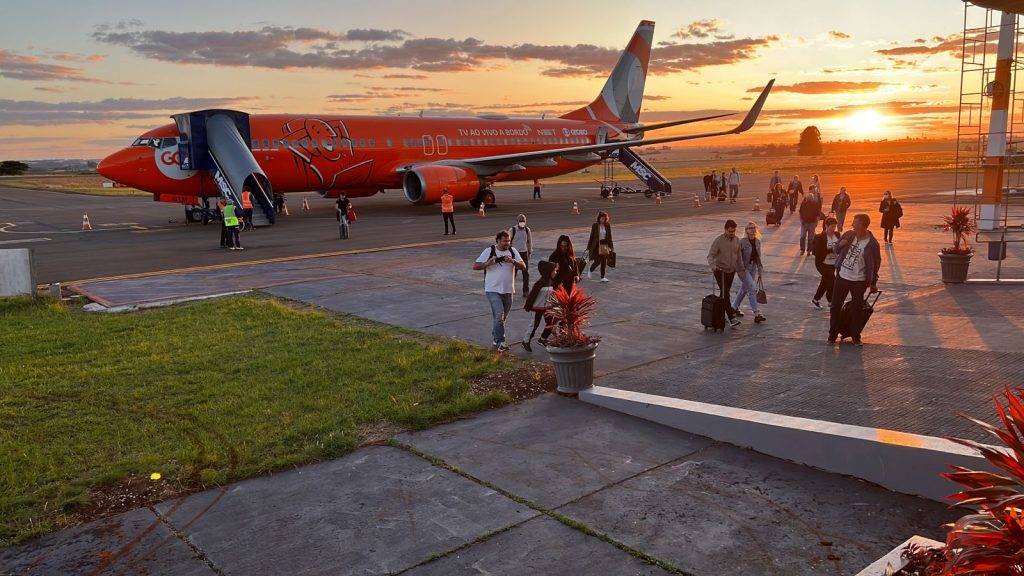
(875,301)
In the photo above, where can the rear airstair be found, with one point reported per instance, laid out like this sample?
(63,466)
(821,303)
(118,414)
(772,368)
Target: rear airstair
(216,141)
(645,172)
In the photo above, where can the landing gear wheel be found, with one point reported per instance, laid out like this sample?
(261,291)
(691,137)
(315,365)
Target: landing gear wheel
(193,214)
(488,199)
(616,191)
(605,192)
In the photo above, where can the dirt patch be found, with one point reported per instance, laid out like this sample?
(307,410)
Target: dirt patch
(128,494)
(377,432)
(528,380)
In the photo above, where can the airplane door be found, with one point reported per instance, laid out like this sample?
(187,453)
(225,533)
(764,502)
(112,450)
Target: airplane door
(602,134)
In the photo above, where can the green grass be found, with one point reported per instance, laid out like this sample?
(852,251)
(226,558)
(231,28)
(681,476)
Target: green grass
(202,393)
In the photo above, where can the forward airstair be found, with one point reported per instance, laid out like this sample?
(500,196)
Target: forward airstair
(216,141)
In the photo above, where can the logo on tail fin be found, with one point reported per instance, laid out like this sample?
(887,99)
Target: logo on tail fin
(623,92)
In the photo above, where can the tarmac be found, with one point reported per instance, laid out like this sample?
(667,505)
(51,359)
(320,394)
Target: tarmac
(555,486)
(133,234)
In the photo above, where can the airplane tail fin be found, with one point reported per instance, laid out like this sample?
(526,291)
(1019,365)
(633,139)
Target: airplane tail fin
(623,92)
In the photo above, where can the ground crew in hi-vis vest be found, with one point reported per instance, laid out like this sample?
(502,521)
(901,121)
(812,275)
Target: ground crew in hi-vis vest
(247,209)
(448,210)
(231,223)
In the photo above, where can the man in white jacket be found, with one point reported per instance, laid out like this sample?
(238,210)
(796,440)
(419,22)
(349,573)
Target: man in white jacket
(734,185)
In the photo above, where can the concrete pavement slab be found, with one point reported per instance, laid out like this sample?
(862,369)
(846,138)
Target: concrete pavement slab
(376,511)
(727,511)
(135,542)
(552,450)
(539,546)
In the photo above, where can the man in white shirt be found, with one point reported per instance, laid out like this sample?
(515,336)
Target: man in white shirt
(499,263)
(858,259)
(734,185)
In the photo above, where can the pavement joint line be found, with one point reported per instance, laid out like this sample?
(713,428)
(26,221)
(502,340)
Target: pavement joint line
(550,512)
(198,552)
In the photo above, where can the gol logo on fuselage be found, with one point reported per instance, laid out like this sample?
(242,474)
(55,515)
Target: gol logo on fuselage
(167,162)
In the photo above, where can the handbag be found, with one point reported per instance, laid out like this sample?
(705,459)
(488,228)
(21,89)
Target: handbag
(611,259)
(351,215)
(762,296)
(603,250)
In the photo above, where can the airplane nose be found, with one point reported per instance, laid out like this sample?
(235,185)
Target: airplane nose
(119,166)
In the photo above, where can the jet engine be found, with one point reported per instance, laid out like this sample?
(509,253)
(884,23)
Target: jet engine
(424,184)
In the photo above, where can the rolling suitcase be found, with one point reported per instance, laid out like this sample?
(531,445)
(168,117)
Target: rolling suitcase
(712,312)
(770,219)
(846,316)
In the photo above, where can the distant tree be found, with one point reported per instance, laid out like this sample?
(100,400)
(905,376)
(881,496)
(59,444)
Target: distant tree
(12,168)
(810,142)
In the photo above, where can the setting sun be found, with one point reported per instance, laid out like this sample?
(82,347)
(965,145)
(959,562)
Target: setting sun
(863,123)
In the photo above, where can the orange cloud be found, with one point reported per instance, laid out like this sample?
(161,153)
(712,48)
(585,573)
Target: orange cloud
(825,87)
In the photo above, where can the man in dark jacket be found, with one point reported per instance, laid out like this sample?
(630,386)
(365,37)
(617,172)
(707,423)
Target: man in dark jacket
(858,259)
(795,190)
(840,204)
(810,212)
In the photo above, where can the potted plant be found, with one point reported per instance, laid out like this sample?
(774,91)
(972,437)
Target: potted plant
(570,348)
(956,260)
(990,540)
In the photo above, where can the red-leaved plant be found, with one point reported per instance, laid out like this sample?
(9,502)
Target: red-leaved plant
(991,541)
(961,224)
(571,314)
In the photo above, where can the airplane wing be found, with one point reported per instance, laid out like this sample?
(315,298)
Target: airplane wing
(661,125)
(492,164)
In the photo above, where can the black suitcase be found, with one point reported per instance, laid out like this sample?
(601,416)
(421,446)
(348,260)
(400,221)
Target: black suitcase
(712,312)
(846,315)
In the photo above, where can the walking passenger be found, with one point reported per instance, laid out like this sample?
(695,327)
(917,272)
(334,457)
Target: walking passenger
(734,185)
(858,258)
(600,245)
(231,224)
(796,190)
(448,210)
(810,213)
(568,265)
(840,204)
(499,262)
(779,202)
(753,268)
(723,186)
(522,241)
(539,300)
(343,207)
(775,181)
(536,189)
(891,211)
(725,261)
(708,179)
(825,245)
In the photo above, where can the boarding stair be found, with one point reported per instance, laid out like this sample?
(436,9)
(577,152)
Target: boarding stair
(645,172)
(216,141)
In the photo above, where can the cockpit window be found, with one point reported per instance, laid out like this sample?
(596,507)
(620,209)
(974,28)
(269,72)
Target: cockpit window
(145,141)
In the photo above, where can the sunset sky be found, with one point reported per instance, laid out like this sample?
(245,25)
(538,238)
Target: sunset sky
(80,79)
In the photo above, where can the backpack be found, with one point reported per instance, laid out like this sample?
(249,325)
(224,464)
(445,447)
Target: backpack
(494,254)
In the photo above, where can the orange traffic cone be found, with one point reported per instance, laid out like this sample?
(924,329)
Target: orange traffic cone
(285,206)
(757,204)
(480,212)
(696,201)
(575,208)
(305,204)
(657,198)
(85,223)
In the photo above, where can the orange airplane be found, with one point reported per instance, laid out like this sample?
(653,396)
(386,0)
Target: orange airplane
(212,153)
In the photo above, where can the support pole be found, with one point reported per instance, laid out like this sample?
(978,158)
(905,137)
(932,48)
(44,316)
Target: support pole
(995,153)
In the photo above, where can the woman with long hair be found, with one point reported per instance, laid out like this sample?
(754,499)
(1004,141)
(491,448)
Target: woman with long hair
(539,300)
(568,267)
(824,249)
(600,244)
(891,211)
(779,202)
(753,267)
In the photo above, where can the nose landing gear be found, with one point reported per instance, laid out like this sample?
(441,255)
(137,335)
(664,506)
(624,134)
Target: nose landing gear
(485,197)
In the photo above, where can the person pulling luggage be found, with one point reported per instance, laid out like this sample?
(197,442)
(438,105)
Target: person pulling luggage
(725,261)
(858,259)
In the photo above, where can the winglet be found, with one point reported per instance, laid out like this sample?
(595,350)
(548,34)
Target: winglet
(755,110)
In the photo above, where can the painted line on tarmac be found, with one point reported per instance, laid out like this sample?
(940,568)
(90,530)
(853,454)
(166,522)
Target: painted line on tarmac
(24,240)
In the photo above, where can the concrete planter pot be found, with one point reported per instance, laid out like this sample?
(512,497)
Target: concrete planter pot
(574,368)
(954,267)
(895,557)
